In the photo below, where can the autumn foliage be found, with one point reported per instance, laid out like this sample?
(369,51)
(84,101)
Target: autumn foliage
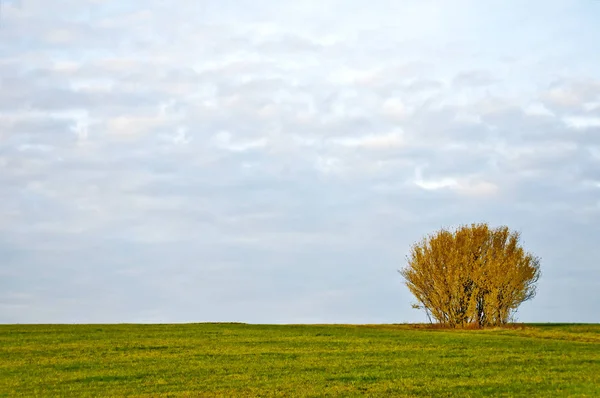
(474,276)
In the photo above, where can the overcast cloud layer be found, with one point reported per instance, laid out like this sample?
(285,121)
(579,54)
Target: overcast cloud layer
(268,161)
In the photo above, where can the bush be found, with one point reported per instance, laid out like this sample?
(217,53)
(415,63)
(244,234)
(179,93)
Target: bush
(474,276)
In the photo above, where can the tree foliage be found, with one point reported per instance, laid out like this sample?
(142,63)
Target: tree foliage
(475,275)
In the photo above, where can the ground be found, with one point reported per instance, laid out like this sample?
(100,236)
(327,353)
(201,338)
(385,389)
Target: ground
(297,360)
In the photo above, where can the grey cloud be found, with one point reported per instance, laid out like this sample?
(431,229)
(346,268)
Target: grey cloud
(421,85)
(295,45)
(36,130)
(43,89)
(571,94)
(251,155)
(476,78)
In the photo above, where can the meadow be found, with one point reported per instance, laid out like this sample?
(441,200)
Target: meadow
(233,360)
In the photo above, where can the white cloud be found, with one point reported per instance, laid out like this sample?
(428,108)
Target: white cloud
(224,140)
(373,141)
(582,122)
(465,186)
(132,126)
(538,109)
(395,109)
(435,184)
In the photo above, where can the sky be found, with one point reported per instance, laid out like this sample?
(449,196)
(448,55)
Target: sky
(272,162)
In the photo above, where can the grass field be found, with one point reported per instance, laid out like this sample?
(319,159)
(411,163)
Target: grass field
(305,360)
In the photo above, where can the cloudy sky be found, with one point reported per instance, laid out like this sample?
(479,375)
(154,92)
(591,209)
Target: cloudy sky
(272,161)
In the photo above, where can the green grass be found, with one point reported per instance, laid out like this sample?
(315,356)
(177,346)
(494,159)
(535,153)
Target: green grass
(305,360)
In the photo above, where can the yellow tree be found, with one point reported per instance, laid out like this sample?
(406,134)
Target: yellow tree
(474,275)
